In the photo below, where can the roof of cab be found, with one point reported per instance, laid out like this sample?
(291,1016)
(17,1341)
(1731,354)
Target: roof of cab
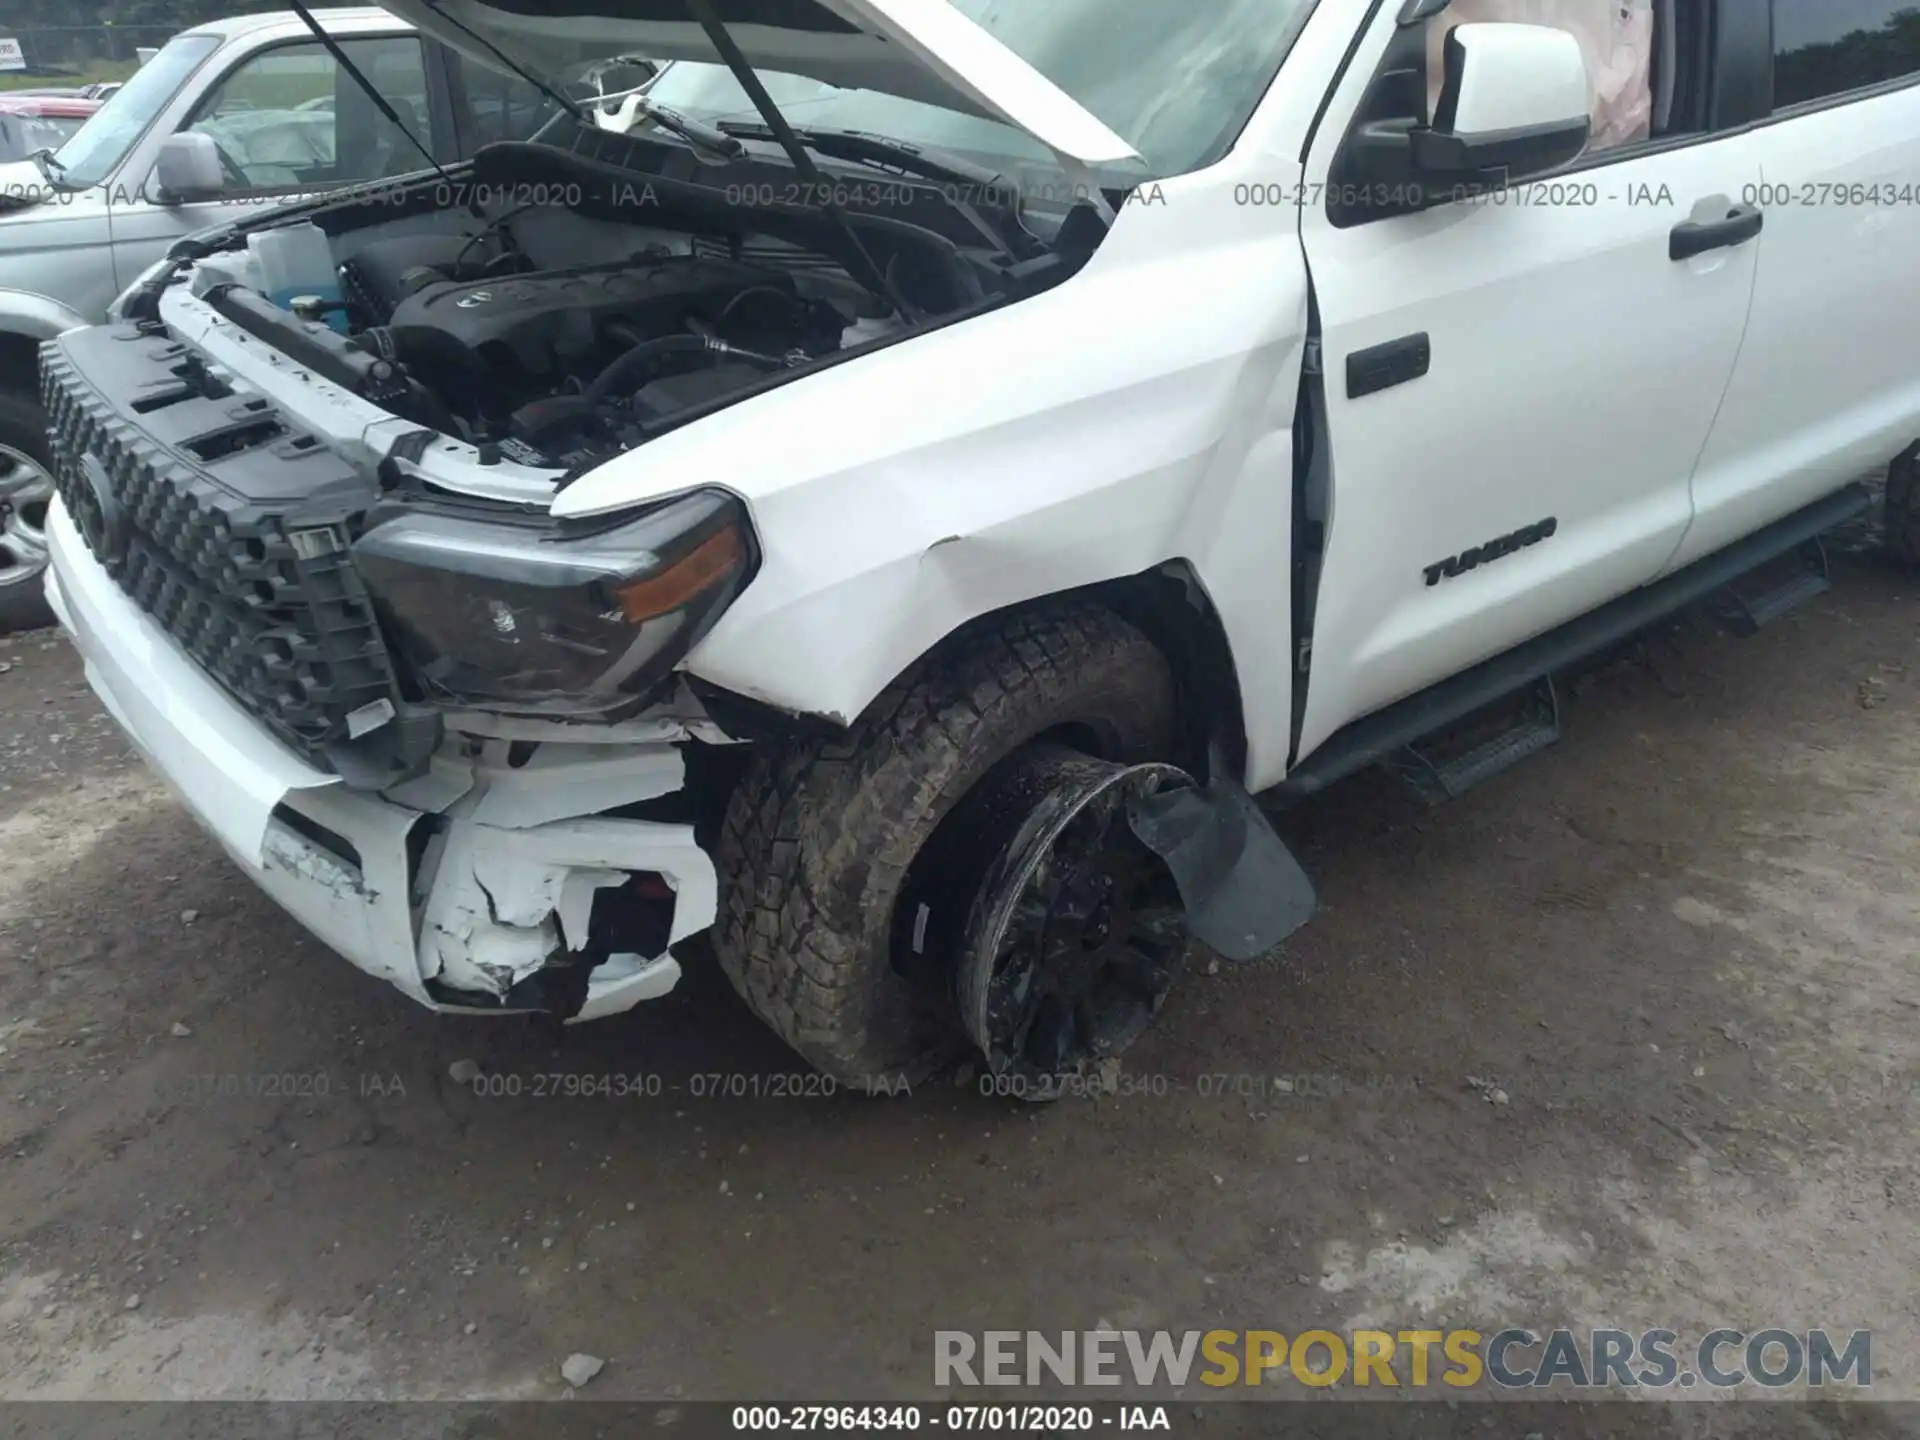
(365,17)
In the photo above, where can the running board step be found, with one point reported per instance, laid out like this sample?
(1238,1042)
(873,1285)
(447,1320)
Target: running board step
(1381,735)
(1438,778)
(1775,590)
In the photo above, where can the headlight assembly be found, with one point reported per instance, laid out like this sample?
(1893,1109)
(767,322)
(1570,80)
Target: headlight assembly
(535,620)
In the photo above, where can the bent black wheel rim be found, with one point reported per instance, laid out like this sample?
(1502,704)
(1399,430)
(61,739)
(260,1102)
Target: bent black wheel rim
(1076,933)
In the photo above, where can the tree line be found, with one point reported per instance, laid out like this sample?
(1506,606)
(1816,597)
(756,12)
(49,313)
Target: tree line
(1863,57)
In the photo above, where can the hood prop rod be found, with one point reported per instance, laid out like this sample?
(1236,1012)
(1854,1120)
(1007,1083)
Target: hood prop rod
(873,277)
(380,102)
(571,107)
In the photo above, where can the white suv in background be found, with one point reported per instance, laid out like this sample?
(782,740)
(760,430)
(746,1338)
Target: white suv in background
(898,496)
(77,228)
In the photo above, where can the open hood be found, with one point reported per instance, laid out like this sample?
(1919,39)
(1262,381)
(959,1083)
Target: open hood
(918,49)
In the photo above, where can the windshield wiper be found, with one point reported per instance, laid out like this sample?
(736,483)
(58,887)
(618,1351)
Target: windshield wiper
(717,139)
(565,102)
(380,102)
(961,181)
(863,145)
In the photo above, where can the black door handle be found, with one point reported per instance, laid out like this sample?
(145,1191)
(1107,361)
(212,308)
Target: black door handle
(1696,237)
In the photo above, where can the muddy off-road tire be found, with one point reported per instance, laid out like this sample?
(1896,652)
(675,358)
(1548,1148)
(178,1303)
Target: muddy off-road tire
(821,832)
(1900,520)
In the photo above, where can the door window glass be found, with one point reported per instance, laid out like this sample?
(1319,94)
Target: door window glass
(1828,47)
(291,119)
(502,107)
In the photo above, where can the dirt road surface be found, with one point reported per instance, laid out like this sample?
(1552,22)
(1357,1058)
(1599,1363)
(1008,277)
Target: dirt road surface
(1630,1036)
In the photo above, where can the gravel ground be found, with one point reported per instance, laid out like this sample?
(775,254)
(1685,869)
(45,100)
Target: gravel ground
(1681,947)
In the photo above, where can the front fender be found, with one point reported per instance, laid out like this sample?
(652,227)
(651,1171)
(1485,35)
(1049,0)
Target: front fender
(1139,413)
(864,573)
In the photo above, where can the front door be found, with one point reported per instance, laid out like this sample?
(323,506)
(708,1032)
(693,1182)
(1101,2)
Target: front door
(1540,464)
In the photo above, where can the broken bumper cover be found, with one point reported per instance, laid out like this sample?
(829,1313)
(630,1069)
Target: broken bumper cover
(473,888)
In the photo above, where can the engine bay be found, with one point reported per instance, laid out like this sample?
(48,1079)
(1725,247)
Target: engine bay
(621,300)
(556,366)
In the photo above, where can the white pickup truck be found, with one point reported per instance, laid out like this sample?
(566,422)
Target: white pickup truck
(892,503)
(77,227)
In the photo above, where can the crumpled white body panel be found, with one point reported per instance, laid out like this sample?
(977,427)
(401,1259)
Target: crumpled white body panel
(507,885)
(1137,414)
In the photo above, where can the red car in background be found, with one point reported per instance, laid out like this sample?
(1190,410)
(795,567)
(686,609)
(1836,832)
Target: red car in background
(40,122)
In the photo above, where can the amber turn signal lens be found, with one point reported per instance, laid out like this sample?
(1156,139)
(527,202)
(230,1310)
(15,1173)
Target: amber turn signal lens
(708,563)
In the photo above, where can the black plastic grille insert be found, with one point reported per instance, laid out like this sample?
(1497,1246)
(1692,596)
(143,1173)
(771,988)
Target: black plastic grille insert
(225,523)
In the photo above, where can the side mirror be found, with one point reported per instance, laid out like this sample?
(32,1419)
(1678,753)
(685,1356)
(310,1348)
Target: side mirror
(188,169)
(1515,99)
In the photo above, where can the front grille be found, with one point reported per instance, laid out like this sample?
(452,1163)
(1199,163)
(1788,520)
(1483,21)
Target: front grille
(239,552)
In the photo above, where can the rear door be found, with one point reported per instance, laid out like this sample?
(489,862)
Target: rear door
(1575,367)
(1828,384)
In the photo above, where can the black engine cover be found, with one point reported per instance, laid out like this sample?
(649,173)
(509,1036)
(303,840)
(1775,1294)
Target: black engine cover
(545,320)
(384,273)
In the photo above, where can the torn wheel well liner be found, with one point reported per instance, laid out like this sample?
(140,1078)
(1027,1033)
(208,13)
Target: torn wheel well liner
(1172,608)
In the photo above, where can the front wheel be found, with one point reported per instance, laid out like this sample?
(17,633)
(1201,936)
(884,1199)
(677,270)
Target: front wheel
(26,489)
(823,927)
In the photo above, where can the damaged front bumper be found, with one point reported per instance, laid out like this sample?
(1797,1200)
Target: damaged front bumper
(501,880)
